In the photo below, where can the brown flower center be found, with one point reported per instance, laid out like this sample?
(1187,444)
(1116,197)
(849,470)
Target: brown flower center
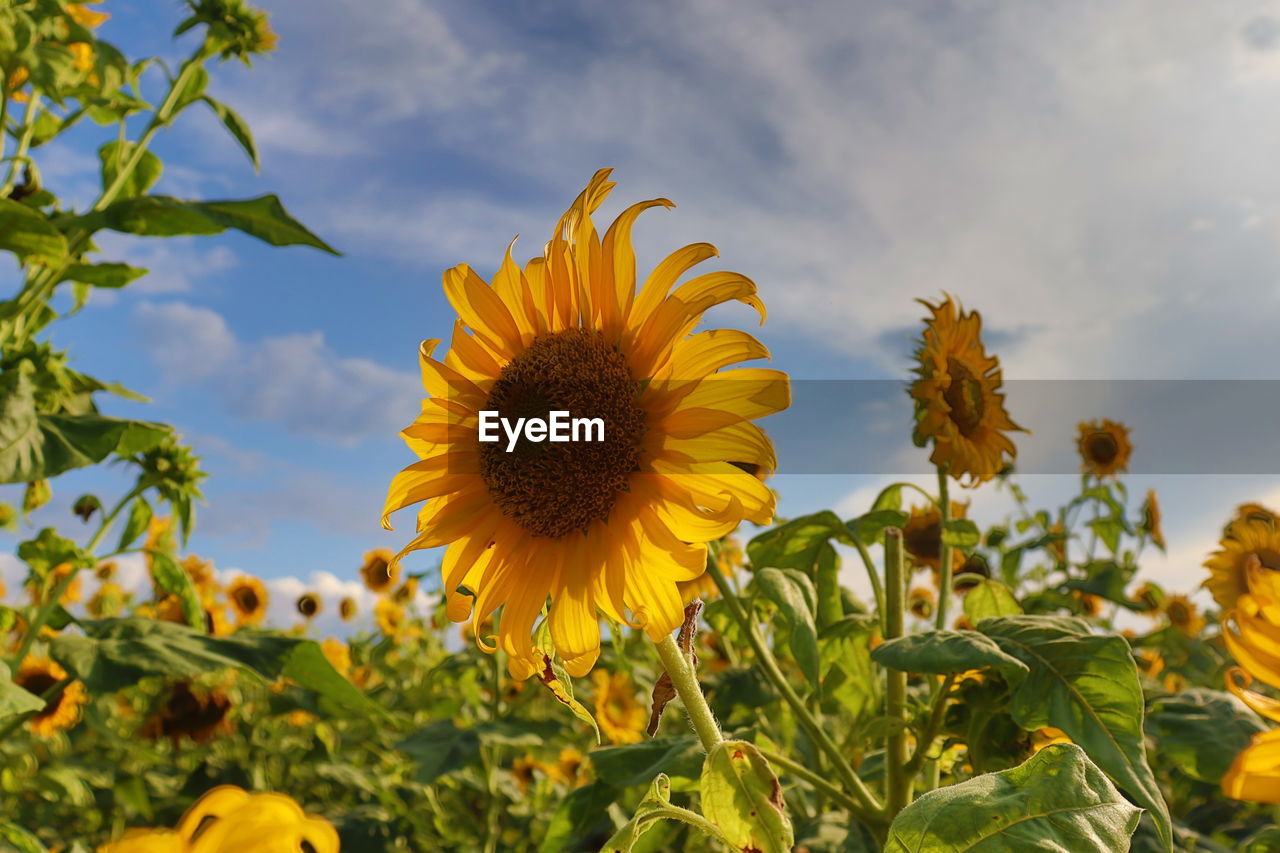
(246,599)
(964,396)
(1102,448)
(37,683)
(308,605)
(552,488)
(925,541)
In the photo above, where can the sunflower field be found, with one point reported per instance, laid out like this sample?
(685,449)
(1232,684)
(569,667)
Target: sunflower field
(623,648)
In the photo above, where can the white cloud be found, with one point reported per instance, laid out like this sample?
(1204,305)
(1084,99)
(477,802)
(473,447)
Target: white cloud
(294,380)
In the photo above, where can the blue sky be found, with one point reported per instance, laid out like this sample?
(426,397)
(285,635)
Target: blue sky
(1096,177)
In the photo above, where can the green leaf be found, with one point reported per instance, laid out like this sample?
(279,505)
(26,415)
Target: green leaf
(197,81)
(236,126)
(19,839)
(947,652)
(988,599)
(13,699)
(26,233)
(637,763)
(743,798)
(1265,840)
(116,155)
(1087,686)
(869,528)
(1201,731)
(795,597)
(1057,800)
(139,517)
(171,578)
(961,533)
(796,544)
(111,275)
(35,446)
(116,653)
(163,216)
(554,677)
(440,748)
(576,816)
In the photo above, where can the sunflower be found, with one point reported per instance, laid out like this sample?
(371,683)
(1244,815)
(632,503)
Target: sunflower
(1248,560)
(1252,511)
(36,675)
(1255,773)
(406,592)
(107,601)
(1104,448)
(338,654)
(226,819)
(347,608)
(728,560)
(959,405)
(522,770)
(920,602)
(1183,615)
(378,571)
(389,616)
(201,573)
(1150,596)
(40,589)
(1090,604)
(1043,737)
(922,535)
(248,597)
(1151,519)
(308,604)
(610,525)
(622,719)
(106,570)
(86,17)
(199,716)
(568,766)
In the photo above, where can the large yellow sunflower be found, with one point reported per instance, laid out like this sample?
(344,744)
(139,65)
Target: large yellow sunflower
(36,675)
(604,526)
(1248,560)
(959,405)
(1104,447)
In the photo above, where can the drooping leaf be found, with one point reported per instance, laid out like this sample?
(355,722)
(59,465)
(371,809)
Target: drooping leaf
(109,275)
(135,525)
(987,599)
(163,216)
(961,533)
(869,528)
(795,597)
(741,795)
(1056,800)
(651,809)
(554,677)
(1087,686)
(236,126)
(946,652)
(171,578)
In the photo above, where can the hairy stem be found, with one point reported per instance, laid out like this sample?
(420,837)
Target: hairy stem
(685,681)
(898,780)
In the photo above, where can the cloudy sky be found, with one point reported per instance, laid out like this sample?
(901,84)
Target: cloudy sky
(1098,178)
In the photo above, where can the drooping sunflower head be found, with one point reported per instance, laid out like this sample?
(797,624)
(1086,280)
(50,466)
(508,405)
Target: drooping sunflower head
(922,535)
(622,718)
(189,712)
(958,401)
(1183,615)
(347,608)
(1247,560)
(1104,448)
(308,605)
(62,711)
(378,571)
(668,458)
(248,597)
(1151,519)
(1150,596)
(920,602)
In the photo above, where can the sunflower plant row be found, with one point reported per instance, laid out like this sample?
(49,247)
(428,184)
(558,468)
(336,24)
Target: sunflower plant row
(621,648)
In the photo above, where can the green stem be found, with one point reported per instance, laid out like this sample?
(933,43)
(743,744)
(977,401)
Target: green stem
(932,727)
(873,574)
(944,549)
(771,669)
(818,783)
(24,142)
(685,681)
(110,517)
(898,780)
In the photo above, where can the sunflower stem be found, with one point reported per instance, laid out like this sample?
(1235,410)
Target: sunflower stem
(685,681)
(898,778)
(944,548)
(812,727)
